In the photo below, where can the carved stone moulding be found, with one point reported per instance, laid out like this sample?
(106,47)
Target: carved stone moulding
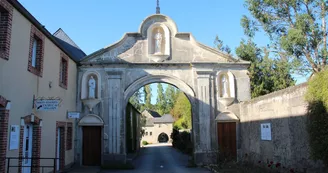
(159,58)
(226,101)
(91,103)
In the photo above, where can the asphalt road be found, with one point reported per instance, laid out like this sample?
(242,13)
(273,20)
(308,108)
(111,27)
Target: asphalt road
(161,158)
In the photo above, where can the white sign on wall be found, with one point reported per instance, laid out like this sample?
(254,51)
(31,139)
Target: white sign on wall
(73,115)
(14,137)
(266,131)
(47,104)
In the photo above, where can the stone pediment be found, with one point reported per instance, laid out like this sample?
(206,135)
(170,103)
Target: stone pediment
(176,47)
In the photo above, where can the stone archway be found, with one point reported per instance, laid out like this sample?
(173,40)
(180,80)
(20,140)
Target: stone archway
(163,138)
(172,80)
(129,64)
(159,79)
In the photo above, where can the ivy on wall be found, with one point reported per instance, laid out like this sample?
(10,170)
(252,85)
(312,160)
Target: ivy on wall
(317,96)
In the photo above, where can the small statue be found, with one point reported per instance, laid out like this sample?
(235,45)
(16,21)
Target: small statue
(92,88)
(225,86)
(158,42)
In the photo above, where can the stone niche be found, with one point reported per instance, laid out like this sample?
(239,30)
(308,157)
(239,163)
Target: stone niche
(158,40)
(87,76)
(226,87)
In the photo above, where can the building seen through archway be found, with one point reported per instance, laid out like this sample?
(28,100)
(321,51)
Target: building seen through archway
(160,107)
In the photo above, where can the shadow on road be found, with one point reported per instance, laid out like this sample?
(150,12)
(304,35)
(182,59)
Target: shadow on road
(159,158)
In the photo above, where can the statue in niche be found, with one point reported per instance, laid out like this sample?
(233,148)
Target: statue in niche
(158,42)
(92,88)
(225,86)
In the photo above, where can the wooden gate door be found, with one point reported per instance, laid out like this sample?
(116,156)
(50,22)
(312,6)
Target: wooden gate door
(91,146)
(227,141)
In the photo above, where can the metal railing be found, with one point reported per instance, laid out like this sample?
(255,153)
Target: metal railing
(54,166)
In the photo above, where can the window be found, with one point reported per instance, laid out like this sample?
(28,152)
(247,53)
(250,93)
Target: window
(146,133)
(69,136)
(6,11)
(35,62)
(63,71)
(35,46)
(150,133)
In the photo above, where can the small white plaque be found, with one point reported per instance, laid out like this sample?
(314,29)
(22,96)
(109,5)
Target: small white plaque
(266,131)
(71,115)
(14,137)
(47,104)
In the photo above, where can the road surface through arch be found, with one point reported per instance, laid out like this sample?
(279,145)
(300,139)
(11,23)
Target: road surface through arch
(160,158)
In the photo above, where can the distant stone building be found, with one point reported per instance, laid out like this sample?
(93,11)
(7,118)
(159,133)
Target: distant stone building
(157,128)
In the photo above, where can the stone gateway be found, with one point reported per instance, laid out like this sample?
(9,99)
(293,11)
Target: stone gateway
(134,61)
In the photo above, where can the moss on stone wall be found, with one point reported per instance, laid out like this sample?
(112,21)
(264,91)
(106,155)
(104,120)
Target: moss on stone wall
(317,96)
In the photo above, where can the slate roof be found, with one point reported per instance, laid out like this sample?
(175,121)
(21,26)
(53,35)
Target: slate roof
(154,114)
(156,118)
(69,45)
(167,118)
(22,10)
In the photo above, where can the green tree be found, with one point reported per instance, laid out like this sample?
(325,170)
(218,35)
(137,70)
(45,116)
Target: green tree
(147,97)
(135,100)
(317,116)
(220,45)
(161,100)
(297,29)
(266,75)
(170,95)
(182,112)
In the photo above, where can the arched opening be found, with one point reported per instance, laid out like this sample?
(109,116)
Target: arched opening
(163,138)
(152,119)
(88,78)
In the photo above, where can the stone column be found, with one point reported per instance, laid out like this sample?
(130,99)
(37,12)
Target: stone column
(115,120)
(204,151)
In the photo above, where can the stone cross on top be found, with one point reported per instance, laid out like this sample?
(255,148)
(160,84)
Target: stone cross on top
(158,9)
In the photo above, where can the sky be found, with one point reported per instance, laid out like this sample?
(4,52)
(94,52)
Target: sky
(93,25)
(100,23)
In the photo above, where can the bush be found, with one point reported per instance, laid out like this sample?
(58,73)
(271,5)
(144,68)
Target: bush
(317,124)
(145,143)
(182,141)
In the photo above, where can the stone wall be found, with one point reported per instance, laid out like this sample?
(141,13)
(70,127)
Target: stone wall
(152,132)
(286,111)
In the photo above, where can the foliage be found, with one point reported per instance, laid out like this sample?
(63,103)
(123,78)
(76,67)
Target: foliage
(135,100)
(317,96)
(220,45)
(297,29)
(317,89)
(147,96)
(182,112)
(170,96)
(171,101)
(145,143)
(266,75)
(182,141)
(161,100)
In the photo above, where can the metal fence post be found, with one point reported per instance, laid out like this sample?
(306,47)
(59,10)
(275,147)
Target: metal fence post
(55,166)
(8,165)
